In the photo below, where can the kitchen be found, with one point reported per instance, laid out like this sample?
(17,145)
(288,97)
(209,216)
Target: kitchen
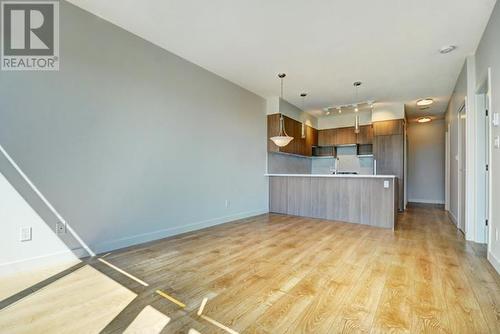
(344,163)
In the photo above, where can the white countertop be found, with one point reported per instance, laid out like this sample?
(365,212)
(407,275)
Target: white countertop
(338,175)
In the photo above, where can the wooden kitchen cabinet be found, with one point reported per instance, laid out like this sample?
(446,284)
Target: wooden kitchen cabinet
(338,136)
(291,130)
(299,145)
(311,140)
(388,151)
(365,135)
(327,137)
(388,128)
(345,136)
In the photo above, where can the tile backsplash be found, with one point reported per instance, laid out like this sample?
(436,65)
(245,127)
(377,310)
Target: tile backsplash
(350,162)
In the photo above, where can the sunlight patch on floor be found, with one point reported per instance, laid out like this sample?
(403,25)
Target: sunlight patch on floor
(15,282)
(84,301)
(193,331)
(149,321)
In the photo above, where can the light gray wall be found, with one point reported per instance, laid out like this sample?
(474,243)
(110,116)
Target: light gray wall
(426,162)
(488,56)
(130,142)
(456,102)
(288,109)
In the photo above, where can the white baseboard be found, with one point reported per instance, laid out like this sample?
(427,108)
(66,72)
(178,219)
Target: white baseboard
(494,262)
(453,218)
(425,201)
(168,232)
(70,255)
(42,261)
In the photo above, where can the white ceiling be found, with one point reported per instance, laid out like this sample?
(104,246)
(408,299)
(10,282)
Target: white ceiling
(323,45)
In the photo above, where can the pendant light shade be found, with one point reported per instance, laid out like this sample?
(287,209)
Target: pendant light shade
(356,124)
(282,139)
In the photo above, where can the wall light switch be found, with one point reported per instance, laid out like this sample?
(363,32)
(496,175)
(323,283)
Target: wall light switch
(386,184)
(25,234)
(497,142)
(496,119)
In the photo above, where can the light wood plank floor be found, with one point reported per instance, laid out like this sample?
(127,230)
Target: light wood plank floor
(282,274)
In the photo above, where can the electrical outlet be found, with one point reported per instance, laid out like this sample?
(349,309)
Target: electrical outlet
(60,228)
(496,235)
(497,142)
(228,203)
(25,234)
(386,184)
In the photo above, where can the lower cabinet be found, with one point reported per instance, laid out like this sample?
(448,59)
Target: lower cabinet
(360,200)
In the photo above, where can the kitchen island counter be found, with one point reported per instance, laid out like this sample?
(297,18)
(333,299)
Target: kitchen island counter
(336,175)
(359,199)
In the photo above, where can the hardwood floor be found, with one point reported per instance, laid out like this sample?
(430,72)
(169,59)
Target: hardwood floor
(283,274)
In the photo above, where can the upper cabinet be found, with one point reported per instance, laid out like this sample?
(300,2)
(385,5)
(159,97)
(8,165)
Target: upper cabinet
(365,135)
(311,140)
(388,128)
(299,145)
(313,137)
(327,137)
(345,136)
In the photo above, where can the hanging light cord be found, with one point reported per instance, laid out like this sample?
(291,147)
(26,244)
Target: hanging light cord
(282,126)
(281,88)
(282,120)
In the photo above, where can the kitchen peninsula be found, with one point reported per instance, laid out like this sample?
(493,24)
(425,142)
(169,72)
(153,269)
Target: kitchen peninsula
(360,199)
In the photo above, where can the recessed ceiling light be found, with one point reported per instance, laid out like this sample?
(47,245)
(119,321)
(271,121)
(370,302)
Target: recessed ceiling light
(447,49)
(424,119)
(327,113)
(425,102)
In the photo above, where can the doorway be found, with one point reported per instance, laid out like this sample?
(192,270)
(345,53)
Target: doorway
(462,171)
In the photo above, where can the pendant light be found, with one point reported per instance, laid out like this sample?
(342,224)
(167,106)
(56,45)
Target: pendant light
(303,130)
(356,124)
(282,139)
(356,119)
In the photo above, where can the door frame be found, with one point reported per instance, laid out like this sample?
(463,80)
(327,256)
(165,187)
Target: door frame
(491,172)
(447,169)
(462,181)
